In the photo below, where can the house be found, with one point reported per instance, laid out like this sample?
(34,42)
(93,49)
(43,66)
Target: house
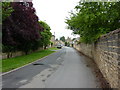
(52,41)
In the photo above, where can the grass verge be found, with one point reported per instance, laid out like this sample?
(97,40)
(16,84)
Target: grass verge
(54,48)
(12,63)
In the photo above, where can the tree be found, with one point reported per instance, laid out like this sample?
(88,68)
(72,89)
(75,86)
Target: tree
(57,39)
(73,39)
(94,19)
(46,34)
(62,38)
(6,10)
(66,43)
(21,29)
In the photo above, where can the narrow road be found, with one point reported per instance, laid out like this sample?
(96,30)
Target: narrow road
(63,69)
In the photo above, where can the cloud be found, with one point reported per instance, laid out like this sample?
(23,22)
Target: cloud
(54,13)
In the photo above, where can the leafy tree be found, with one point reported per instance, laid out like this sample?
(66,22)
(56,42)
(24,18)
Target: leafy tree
(73,39)
(94,19)
(65,43)
(62,38)
(68,44)
(57,39)
(46,34)
(21,29)
(6,10)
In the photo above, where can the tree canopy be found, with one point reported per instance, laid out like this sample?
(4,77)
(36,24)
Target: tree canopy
(21,29)
(62,38)
(93,19)
(46,34)
(6,10)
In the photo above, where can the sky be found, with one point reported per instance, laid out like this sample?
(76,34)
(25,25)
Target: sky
(54,13)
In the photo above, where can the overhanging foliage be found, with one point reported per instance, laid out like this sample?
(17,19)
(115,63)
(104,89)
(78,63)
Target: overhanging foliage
(94,19)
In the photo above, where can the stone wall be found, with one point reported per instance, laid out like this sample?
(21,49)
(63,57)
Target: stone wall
(15,54)
(18,53)
(106,53)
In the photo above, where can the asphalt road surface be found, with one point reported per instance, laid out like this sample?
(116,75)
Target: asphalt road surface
(64,69)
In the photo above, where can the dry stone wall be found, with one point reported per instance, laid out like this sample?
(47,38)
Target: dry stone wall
(106,53)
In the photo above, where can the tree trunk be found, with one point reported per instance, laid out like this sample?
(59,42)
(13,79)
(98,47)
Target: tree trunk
(11,54)
(26,53)
(8,55)
(45,47)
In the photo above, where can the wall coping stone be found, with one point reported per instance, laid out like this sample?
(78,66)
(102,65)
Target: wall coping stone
(111,33)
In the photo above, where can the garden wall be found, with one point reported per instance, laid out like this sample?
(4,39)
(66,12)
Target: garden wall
(106,53)
(18,53)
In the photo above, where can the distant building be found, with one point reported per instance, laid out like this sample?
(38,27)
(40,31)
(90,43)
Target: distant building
(52,41)
(69,40)
(59,42)
(76,41)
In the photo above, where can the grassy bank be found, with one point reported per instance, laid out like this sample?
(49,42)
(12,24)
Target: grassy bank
(12,63)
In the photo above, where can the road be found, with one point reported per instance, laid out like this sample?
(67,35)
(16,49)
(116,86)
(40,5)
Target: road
(64,69)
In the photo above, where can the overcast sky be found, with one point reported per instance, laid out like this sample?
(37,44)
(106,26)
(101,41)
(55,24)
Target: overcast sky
(54,12)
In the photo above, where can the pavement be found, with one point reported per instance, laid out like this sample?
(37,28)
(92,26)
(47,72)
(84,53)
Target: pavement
(64,69)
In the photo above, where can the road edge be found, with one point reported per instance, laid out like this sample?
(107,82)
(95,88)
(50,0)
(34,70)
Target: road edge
(26,65)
